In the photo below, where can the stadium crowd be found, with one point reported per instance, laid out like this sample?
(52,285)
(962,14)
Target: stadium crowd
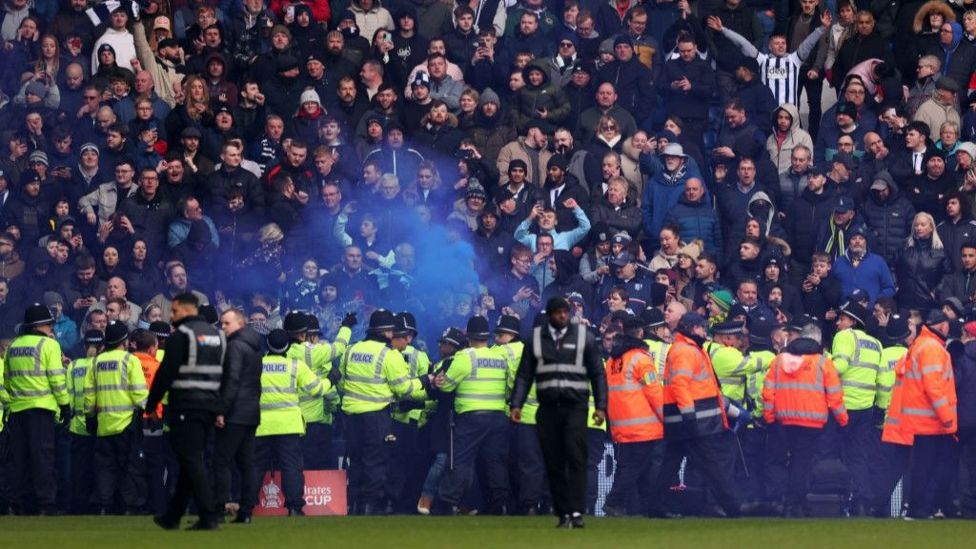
(304,165)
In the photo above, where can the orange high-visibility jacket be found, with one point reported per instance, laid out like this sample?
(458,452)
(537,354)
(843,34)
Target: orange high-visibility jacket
(925,389)
(635,408)
(149,367)
(894,430)
(799,389)
(693,404)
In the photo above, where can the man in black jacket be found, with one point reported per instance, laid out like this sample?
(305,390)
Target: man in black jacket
(563,361)
(191,372)
(240,413)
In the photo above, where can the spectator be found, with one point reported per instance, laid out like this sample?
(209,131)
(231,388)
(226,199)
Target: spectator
(921,266)
(888,216)
(859,269)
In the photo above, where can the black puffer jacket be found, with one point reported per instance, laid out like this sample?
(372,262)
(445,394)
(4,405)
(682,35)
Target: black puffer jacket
(889,221)
(919,272)
(240,387)
(808,211)
(964,372)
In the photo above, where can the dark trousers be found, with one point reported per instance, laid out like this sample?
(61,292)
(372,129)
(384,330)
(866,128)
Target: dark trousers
(891,466)
(188,435)
(967,491)
(32,459)
(235,445)
(159,473)
(477,434)
(861,440)
(119,470)
(406,467)
(562,436)
(530,467)
(709,454)
(317,447)
(930,478)
(368,436)
(753,476)
(814,89)
(636,475)
(283,453)
(789,458)
(82,474)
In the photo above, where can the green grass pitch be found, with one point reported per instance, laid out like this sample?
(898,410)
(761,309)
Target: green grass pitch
(510,532)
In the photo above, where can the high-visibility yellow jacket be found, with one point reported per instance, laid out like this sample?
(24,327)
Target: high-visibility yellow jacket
(319,358)
(731,368)
(115,388)
(886,378)
(77,375)
(373,376)
(283,382)
(34,376)
(479,379)
(857,357)
(511,353)
(418,364)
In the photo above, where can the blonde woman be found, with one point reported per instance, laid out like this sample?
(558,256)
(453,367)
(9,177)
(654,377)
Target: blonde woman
(922,264)
(194,108)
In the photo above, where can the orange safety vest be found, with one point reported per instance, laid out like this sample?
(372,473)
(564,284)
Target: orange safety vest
(925,390)
(693,404)
(894,430)
(799,389)
(149,368)
(635,407)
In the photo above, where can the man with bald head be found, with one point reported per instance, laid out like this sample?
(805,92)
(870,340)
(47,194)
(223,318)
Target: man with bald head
(143,85)
(115,288)
(606,105)
(876,157)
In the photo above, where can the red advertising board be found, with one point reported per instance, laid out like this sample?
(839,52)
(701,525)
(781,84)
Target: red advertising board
(325,494)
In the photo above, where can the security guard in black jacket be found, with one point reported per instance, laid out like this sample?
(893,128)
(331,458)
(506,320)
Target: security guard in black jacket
(191,372)
(564,362)
(240,413)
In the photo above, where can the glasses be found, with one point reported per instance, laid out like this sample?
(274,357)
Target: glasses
(565,44)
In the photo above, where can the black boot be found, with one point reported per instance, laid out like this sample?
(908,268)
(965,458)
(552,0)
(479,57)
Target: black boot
(577,520)
(565,522)
(296,512)
(243,517)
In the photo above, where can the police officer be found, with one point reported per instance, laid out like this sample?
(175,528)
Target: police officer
(284,381)
(525,450)
(318,435)
(115,393)
(240,413)
(34,377)
(564,363)
(751,432)
(857,357)
(730,365)
(407,468)
(478,377)
(657,336)
(373,376)
(162,331)
(440,419)
(81,442)
(191,372)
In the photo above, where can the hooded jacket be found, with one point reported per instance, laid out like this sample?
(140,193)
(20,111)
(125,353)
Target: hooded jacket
(546,95)
(957,58)
(662,191)
(780,147)
(372,20)
(889,222)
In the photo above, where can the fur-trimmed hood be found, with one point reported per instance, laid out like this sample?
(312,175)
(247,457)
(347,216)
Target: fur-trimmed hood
(921,23)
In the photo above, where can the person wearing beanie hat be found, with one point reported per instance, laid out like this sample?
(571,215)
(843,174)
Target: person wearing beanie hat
(285,383)
(563,395)
(374,375)
(115,388)
(694,416)
(719,304)
(940,108)
(489,96)
(857,357)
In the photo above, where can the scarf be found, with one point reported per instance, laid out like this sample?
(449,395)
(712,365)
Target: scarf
(838,239)
(673,179)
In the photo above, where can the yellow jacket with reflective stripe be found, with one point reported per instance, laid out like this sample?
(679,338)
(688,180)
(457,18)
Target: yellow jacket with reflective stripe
(34,376)
(319,358)
(284,381)
(4,398)
(731,368)
(886,377)
(659,354)
(479,379)
(857,357)
(418,364)
(758,367)
(77,375)
(114,388)
(511,353)
(373,376)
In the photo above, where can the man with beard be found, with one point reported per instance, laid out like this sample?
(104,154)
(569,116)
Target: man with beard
(284,90)
(958,227)
(888,216)
(859,269)
(561,186)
